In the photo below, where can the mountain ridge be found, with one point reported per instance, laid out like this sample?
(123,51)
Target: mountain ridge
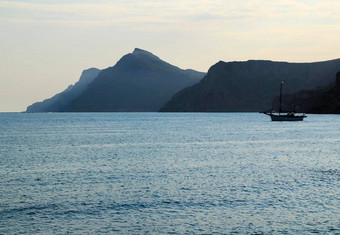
(60,101)
(249,86)
(138,82)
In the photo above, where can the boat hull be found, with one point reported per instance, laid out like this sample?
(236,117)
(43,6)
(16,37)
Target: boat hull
(282,118)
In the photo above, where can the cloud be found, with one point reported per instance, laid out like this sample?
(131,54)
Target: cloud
(174,14)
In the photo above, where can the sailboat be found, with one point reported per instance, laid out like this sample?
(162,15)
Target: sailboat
(285,116)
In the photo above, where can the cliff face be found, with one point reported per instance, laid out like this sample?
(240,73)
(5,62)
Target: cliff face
(324,100)
(139,82)
(250,86)
(60,102)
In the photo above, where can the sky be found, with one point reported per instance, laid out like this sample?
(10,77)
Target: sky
(45,45)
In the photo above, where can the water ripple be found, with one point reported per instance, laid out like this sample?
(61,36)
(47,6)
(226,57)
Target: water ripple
(133,173)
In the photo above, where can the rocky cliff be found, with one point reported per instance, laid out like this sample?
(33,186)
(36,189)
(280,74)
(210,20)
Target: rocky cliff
(325,100)
(139,82)
(250,86)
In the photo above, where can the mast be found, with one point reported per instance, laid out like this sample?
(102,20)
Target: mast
(280,96)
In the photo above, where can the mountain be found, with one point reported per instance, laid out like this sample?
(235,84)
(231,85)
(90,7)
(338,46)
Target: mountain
(139,82)
(249,86)
(325,100)
(60,102)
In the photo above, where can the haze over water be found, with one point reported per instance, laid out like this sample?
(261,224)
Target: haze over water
(168,173)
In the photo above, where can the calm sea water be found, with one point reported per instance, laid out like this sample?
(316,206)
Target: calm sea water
(200,173)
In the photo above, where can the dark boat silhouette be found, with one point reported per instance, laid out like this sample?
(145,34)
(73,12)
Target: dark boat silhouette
(285,116)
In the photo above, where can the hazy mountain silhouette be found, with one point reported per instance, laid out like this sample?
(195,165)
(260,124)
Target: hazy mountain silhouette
(325,100)
(250,86)
(60,102)
(140,81)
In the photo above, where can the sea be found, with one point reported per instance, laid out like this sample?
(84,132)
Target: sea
(168,173)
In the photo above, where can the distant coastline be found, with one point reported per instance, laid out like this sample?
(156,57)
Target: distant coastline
(142,82)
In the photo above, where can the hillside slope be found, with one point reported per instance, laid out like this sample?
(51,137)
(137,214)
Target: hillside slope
(139,82)
(60,102)
(325,100)
(249,86)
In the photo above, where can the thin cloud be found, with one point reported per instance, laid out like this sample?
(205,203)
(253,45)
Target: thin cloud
(174,14)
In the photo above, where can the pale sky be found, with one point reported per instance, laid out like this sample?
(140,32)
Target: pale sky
(45,45)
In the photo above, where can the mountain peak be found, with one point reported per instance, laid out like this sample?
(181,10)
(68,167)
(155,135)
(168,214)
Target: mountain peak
(140,52)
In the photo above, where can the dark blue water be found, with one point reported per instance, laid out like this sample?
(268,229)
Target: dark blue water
(168,173)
